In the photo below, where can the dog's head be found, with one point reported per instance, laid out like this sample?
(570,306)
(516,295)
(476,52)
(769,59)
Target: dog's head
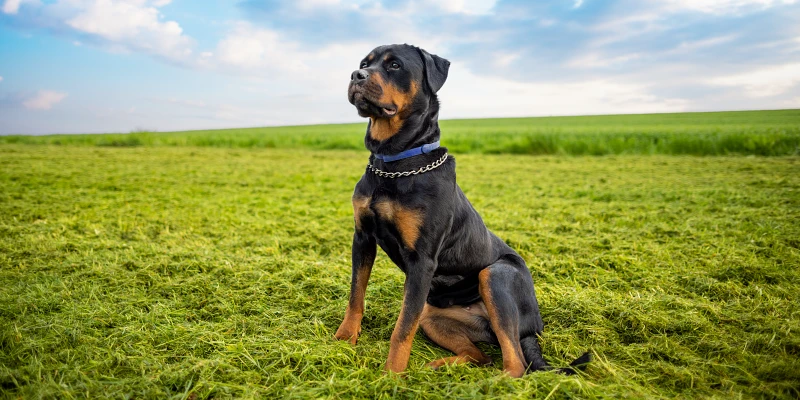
(393,83)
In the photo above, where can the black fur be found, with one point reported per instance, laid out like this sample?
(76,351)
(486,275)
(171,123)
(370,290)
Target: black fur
(453,244)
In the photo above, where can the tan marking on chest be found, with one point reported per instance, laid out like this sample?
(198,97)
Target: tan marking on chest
(407,221)
(361,209)
(384,128)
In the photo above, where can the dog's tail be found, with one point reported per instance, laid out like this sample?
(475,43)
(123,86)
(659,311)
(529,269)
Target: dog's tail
(533,356)
(579,364)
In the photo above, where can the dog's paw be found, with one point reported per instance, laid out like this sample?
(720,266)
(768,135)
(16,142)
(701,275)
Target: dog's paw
(343,334)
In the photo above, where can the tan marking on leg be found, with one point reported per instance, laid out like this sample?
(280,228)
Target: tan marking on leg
(406,221)
(351,325)
(400,345)
(513,358)
(460,313)
(454,328)
(360,209)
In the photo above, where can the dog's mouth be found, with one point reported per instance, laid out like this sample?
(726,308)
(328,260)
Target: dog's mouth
(369,107)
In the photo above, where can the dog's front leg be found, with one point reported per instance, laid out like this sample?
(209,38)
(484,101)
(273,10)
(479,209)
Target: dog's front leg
(418,283)
(363,256)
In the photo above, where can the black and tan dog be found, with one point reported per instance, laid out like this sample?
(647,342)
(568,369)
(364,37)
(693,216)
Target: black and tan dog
(463,284)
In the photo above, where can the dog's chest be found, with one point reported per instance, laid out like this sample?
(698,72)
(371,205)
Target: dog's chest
(388,219)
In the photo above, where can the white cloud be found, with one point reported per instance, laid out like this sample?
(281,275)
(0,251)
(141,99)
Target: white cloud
(597,60)
(623,28)
(226,114)
(121,26)
(1,78)
(723,6)
(505,59)
(132,24)
(692,45)
(407,9)
(265,53)
(249,47)
(218,111)
(11,6)
(468,95)
(117,25)
(653,17)
(465,6)
(577,4)
(763,82)
(312,4)
(44,100)
(792,103)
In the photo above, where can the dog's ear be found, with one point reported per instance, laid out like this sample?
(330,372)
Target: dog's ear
(435,70)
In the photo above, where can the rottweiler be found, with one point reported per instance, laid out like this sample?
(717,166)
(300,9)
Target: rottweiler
(463,284)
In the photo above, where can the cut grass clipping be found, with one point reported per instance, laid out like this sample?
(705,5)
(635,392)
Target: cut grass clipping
(159,272)
(763,133)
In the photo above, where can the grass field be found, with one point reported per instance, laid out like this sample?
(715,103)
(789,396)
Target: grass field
(764,133)
(197,272)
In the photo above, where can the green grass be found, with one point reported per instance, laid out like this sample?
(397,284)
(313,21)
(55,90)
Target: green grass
(189,272)
(764,133)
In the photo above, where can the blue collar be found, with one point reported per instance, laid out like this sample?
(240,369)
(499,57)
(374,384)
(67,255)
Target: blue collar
(424,149)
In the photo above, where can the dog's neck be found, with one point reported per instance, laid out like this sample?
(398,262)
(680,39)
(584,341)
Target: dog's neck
(417,129)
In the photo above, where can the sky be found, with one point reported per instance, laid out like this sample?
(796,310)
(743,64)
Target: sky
(91,66)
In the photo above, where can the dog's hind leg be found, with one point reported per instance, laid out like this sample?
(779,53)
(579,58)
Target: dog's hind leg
(499,286)
(506,288)
(456,329)
(533,353)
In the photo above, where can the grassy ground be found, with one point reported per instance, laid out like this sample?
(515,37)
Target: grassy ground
(158,272)
(764,133)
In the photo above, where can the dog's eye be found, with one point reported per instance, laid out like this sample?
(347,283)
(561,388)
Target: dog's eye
(363,65)
(394,65)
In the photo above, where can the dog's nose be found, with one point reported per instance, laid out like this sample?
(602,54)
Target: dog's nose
(359,75)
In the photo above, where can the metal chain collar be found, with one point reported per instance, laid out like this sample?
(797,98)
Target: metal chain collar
(392,175)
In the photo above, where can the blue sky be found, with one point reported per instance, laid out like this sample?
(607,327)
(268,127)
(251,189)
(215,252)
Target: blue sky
(115,66)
